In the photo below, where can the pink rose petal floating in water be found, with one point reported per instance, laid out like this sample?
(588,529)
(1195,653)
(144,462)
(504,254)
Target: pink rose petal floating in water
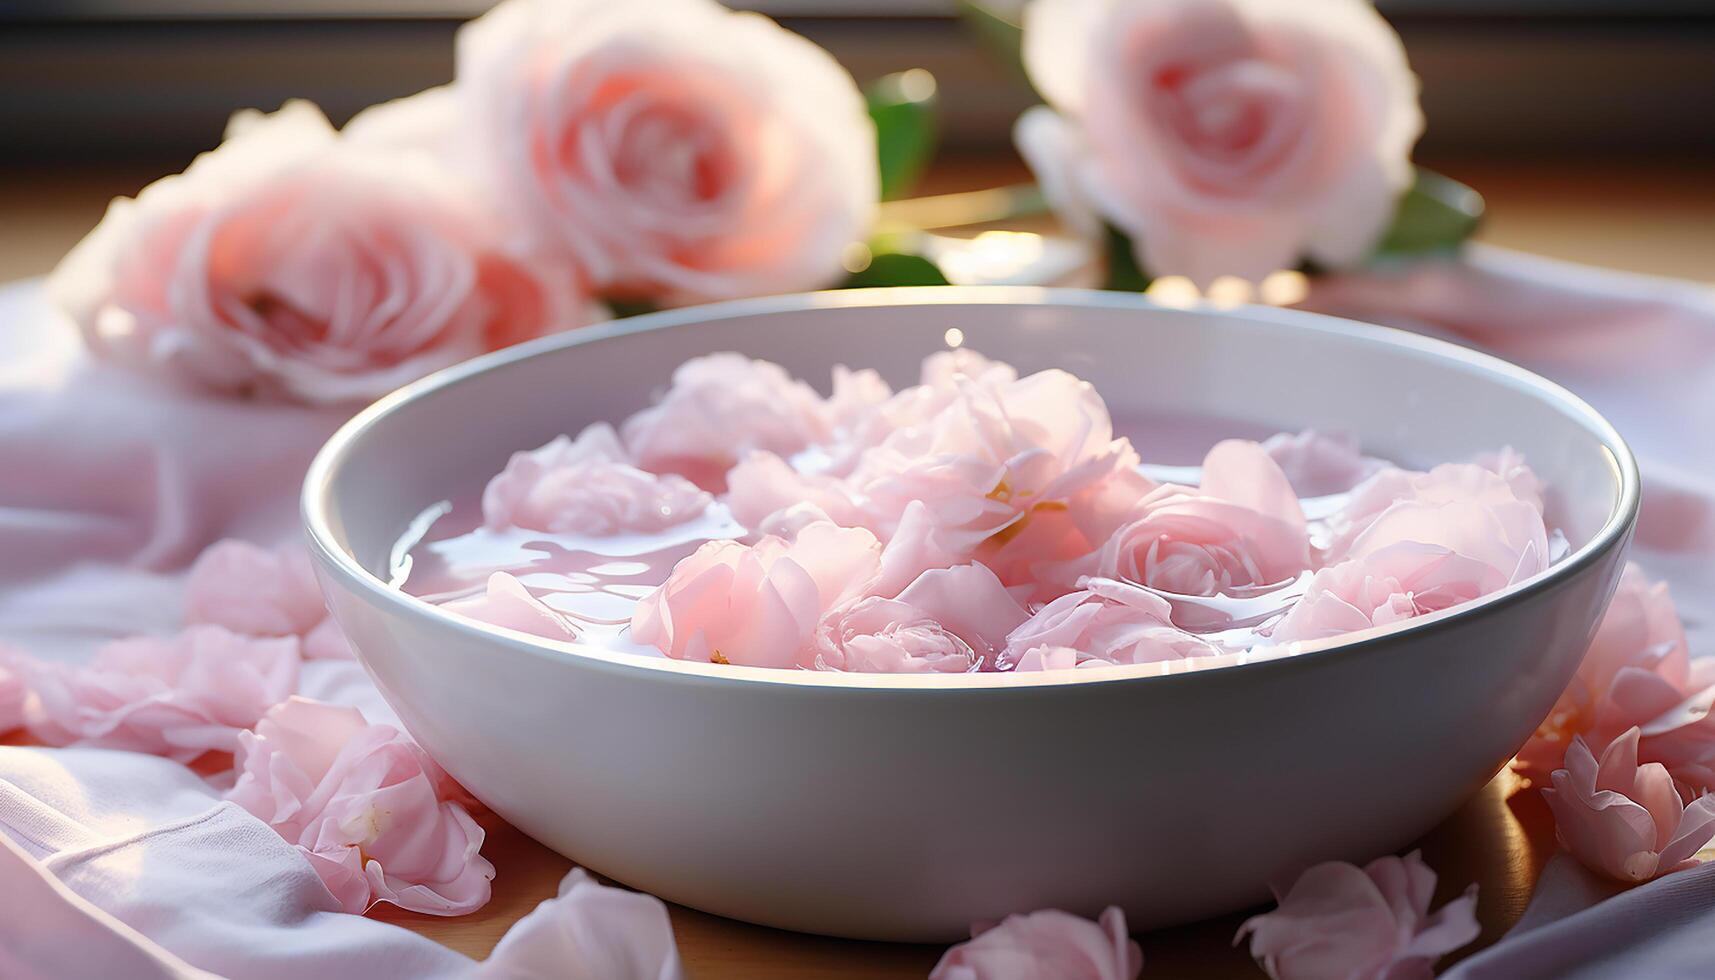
(1623,819)
(1045,945)
(366,807)
(757,604)
(1371,923)
(588,930)
(587,486)
(505,601)
(1009,485)
(263,592)
(177,696)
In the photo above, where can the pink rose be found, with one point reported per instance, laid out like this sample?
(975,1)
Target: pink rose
(763,485)
(505,602)
(1462,506)
(263,592)
(1243,527)
(1045,945)
(1373,923)
(1636,661)
(176,696)
(757,604)
(1107,620)
(1318,463)
(994,457)
(949,620)
(288,263)
(583,487)
(1226,137)
(360,801)
(1622,819)
(719,408)
(674,150)
(588,930)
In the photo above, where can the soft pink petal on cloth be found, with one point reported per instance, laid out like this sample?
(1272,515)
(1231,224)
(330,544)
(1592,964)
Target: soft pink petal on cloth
(505,602)
(361,802)
(1625,820)
(263,592)
(1045,945)
(176,696)
(589,931)
(1370,923)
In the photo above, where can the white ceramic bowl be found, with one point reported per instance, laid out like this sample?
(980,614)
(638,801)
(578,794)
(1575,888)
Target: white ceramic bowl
(907,807)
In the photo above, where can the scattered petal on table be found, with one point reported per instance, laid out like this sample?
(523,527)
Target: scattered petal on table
(1046,945)
(1342,922)
(589,932)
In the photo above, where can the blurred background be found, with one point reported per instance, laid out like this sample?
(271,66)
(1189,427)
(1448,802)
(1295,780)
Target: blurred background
(1586,123)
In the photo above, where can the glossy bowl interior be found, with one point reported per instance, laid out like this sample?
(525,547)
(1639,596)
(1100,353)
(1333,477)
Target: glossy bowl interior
(902,807)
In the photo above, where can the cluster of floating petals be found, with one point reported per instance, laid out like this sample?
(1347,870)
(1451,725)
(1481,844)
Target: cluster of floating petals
(982,520)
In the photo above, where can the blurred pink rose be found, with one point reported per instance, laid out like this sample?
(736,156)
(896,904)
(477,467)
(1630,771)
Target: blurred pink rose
(949,620)
(587,486)
(1107,620)
(1625,820)
(1242,527)
(1318,463)
(1373,923)
(263,592)
(361,802)
(757,604)
(588,931)
(177,696)
(673,150)
(1226,137)
(1045,945)
(1637,667)
(289,264)
(719,408)
(505,602)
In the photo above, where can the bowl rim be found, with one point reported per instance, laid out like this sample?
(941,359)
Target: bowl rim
(317,492)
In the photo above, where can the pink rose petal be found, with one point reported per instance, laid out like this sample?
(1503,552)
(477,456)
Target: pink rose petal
(1623,819)
(588,930)
(1370,923)
(361,802)
(1045,945)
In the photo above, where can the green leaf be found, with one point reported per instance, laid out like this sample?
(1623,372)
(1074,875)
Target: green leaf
(998,32)
(1120,269)
(621,308)
(1436,215)
(903,107)
(896,269)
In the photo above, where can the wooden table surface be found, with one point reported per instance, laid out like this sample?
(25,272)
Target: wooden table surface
(1500,840)
(1657,218)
